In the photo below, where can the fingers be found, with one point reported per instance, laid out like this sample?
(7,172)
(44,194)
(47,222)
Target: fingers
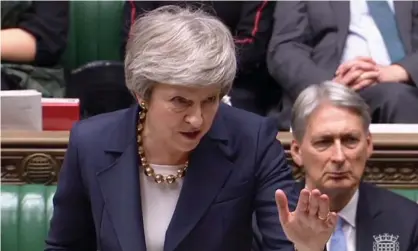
(319,217)
(365,79)
(311,211)
(302,208)
(369,75)
(363,84)
(366,66)
(317,212)
(314,203)
(323,209)
(303,202)
(332,220)
(363,63)
(356,65)
(349,77)
(282,206)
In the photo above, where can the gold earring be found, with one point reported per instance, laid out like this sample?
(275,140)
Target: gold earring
(143,105)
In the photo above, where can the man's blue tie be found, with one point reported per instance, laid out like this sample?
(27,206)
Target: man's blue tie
(385,21)
(338,241)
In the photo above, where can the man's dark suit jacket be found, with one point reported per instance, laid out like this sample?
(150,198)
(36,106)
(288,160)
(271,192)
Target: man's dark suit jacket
(380,212)
(235,170)
(309,36)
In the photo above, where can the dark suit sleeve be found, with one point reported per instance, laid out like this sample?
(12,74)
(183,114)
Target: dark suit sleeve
(273,173)
(288,56)
(410,62)
(131,11)
(252,33)
(47,21)
(414,244)
(72,227)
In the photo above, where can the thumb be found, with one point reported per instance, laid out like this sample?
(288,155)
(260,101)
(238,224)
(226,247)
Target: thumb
(282,206)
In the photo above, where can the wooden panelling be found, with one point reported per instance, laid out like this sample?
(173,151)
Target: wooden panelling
(36,157)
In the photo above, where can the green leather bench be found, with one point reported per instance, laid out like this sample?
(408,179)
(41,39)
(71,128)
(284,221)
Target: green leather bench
(27,209)
(92,59)
(95,32)
(25,214)
(411,194)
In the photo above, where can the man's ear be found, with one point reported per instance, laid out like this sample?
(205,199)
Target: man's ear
(295,151)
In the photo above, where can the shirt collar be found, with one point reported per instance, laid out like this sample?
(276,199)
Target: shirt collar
(349,212)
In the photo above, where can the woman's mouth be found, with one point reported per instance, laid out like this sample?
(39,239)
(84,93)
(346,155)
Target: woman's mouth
(191,135)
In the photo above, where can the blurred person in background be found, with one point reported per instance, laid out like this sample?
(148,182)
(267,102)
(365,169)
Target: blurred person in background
(33,39)
(369,46)
(251,24)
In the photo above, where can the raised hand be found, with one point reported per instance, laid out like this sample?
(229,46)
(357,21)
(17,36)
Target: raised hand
(311,225)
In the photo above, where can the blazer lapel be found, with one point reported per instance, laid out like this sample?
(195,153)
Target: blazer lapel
(403,13)
(365,219)
(119,183)
(209,168)
(342,15)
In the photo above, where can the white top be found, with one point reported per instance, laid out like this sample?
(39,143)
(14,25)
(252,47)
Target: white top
(348,213)
(158,204)
(364,38)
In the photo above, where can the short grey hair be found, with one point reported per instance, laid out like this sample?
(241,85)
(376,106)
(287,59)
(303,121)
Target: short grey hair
(179,46)
(328,92)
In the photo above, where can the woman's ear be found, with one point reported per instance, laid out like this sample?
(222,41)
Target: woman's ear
(140,100)
(136,97)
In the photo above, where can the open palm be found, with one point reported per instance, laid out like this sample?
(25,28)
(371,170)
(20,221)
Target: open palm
(311,225)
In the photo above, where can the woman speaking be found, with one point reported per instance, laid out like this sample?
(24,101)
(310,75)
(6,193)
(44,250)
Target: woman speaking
(179,171)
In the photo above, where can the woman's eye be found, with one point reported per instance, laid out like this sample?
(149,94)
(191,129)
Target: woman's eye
(180,101)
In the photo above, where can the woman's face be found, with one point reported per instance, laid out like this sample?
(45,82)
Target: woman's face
(178,117)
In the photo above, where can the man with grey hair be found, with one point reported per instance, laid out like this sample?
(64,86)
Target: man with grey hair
(332,142)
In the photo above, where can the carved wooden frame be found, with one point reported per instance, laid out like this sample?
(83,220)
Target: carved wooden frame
(36,157)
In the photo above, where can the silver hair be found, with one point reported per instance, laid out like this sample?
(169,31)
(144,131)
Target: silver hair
(328,92)
(179,46)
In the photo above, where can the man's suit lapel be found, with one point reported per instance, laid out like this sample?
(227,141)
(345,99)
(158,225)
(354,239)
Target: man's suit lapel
(209,168)
(342,15)
(366,219)
(119,183)
(403,13)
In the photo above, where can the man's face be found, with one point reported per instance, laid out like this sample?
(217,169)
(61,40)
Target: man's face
(334,150)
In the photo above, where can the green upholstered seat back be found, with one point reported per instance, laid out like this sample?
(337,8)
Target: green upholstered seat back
(25,214)
(95,32)
(26,211)
(411,194)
